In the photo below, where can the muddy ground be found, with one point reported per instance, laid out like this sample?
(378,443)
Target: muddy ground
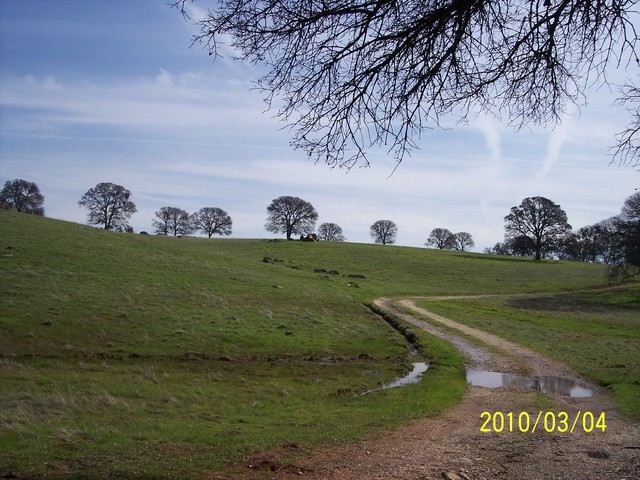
(453,446)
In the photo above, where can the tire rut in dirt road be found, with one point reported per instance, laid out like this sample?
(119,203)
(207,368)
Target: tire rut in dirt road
(499,354)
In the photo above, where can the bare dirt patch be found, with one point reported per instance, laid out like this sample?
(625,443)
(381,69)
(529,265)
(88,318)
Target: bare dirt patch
(453,446)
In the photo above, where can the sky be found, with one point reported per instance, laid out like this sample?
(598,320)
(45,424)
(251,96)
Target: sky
(114,91)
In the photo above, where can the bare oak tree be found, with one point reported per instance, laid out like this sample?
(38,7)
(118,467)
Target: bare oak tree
(172,221)
(330,232)
(384,232)
(463,241)
(441,238)
(290,215)
(540,221)
(22,195)
(627,149)
(349,75)
(212,220)
(109,205)
(593,243)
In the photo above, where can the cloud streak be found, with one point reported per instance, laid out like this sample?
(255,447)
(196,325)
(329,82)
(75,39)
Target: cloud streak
(159,103)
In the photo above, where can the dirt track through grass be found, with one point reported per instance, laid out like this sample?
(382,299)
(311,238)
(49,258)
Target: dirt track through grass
(455,445)
(520,359)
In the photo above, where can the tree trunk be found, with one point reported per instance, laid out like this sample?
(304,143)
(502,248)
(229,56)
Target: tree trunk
(538,251)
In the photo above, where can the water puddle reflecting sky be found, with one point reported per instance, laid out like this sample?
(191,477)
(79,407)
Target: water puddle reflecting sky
(412,377)
(483,378)
(544,384)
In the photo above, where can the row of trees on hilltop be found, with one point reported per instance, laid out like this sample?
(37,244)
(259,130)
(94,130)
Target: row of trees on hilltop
(444,239)
(208,220)
(110,206)
(295,216)
(539,228)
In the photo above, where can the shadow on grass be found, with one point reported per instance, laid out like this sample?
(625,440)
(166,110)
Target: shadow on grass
(624,299)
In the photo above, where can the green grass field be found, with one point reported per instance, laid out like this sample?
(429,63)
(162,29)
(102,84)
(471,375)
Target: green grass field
(143,356)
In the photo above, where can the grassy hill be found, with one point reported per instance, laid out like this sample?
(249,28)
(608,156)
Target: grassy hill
(127,355)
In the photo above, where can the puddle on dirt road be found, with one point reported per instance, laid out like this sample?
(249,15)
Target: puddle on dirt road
(544,384)
(412,377)
(484,378)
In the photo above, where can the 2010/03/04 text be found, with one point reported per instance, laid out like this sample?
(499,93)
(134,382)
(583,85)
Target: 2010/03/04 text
(550,422)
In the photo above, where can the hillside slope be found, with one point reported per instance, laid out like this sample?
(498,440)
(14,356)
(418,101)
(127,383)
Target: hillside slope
(102,291)
(129,355)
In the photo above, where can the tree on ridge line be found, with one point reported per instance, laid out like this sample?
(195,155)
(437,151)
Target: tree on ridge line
(22,195)
(212,220)
(384,232)
(290,215)
(109,205)
(540,221)
(172,221)
(441,238)
(330,232)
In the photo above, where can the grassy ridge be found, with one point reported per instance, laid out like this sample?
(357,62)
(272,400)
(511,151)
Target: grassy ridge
(109,293)
(170,357)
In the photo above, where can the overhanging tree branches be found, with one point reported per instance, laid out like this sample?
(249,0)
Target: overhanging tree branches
(352,75)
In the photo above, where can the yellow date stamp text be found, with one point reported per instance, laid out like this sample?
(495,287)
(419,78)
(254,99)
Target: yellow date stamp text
(549,422)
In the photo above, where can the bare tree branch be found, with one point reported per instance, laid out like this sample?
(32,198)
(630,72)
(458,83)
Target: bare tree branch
(348,76)
(627,149)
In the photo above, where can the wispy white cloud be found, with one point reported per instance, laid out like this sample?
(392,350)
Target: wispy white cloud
(163,102)
(555,142)
(491,129)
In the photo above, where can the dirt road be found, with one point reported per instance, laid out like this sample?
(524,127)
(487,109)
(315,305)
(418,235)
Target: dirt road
(453,445)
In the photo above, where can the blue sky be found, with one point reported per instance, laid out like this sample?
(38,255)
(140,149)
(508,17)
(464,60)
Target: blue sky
(111,91)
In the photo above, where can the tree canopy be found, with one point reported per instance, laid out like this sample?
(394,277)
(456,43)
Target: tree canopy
(330,232)
(172,221)
(212,220)
(627,238)
(384,232)
(445,239)
(463,241)
(290,215)
(349,75)
(22,195)
(538,221)
(109,205)
(441,238)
